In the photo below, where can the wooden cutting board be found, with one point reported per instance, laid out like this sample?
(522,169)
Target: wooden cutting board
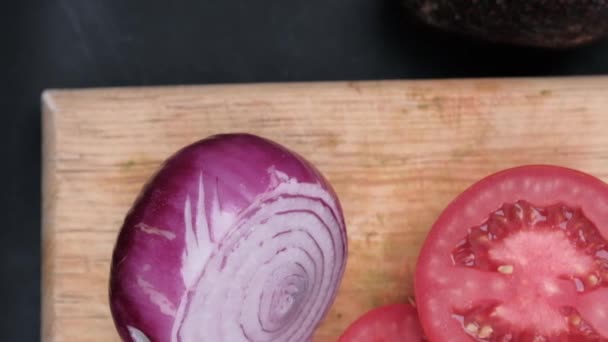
(397,152)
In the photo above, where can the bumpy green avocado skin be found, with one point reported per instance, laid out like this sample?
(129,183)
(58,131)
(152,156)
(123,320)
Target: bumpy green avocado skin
(542,23)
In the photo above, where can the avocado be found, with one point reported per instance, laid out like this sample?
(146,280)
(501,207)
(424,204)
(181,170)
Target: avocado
(540,23)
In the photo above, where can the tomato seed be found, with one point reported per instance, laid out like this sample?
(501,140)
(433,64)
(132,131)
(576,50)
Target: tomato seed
(593,280)
(505,269)
(485,331)
(472,328)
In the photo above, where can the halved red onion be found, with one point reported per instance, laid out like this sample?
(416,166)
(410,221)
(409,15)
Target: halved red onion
(235,238)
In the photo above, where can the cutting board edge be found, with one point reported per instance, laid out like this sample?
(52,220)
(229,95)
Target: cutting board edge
(49,191)
(51,95)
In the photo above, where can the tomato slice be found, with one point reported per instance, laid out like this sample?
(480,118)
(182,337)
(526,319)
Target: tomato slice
(522,255)
(390,323)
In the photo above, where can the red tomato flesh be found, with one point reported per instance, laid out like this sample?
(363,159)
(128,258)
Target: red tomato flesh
(391,323)
(522,255)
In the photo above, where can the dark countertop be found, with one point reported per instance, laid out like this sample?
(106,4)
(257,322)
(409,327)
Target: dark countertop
(74,43)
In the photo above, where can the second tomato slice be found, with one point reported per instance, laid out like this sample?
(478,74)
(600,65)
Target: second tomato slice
(391,323)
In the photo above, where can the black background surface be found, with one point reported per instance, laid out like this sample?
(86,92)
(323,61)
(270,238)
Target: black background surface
(85,43)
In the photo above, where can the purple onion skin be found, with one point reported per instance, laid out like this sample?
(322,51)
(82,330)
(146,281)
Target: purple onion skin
(186,271)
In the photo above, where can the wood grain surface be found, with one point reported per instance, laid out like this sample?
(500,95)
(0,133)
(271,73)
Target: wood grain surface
(396,151)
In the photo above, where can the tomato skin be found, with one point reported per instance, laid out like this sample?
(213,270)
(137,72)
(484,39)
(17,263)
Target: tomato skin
(390,323)
(543,186)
